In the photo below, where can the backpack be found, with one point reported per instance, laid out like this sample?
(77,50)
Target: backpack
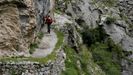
(49,20)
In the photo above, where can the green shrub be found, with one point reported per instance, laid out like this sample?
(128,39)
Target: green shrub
(105,52)
(32,47)
(70,71)
(84,58)
(108,60)
(110,20)
(70,62)
(40,35)
(91,36)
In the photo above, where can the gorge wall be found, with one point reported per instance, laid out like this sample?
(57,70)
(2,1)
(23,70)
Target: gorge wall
(114,16)
(19,22)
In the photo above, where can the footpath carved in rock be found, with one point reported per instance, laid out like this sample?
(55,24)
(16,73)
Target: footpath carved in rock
(46,46)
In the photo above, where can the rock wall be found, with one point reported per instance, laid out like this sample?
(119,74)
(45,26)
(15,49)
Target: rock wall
(83,11)
(10,32)
(19,21)
(34,68)
(118,13)
(121,30)
(42,8)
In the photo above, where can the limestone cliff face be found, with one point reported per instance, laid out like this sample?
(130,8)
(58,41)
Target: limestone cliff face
(42,8)
(116,17)
(19,20)
(121,30)
(83,11)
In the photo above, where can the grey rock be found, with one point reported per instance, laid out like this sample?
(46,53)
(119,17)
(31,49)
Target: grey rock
(29,68)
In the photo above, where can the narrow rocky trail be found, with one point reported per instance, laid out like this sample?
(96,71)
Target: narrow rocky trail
(47,45)
(49,41)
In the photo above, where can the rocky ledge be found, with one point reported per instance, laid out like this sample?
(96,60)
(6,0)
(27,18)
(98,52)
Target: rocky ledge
(34,68)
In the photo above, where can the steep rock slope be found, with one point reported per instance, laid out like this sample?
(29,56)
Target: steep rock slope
(78,59)
(19,20)
(114,16)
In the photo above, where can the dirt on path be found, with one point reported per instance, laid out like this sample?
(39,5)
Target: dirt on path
(46,46)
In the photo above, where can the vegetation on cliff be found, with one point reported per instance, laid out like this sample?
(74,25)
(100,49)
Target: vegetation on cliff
(103,3)
(105,52)
(80,63)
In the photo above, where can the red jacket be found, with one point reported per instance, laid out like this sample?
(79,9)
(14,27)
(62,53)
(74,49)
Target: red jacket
(48,20)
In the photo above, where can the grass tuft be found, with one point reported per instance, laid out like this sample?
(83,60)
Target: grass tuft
(40,35)
(33,46)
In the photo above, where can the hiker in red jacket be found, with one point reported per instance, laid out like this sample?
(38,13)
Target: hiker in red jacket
(48,20)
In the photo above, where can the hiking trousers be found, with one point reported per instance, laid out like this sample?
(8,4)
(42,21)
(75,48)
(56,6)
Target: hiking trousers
(48,28)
